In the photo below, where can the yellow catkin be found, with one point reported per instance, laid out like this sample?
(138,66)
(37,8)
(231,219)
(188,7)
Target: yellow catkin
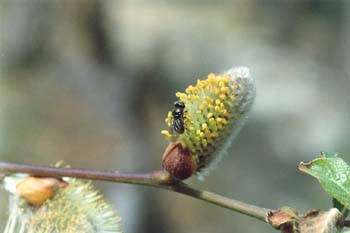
(210,107)
(205,106)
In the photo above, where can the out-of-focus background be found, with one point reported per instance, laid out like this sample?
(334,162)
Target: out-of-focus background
(90,83)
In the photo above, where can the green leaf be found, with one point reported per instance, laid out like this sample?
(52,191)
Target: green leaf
(334,175)
(343,209)
(328,154)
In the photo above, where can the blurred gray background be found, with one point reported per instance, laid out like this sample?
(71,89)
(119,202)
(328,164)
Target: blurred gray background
(90,83)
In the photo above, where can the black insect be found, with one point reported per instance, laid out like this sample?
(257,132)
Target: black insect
(178,117)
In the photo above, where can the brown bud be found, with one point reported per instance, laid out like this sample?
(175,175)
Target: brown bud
(36,190)
(178,161)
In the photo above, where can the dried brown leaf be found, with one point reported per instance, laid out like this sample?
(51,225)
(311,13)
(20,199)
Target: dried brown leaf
(284,219)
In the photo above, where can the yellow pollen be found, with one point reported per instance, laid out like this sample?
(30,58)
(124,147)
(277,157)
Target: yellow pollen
(212,122)
(216,90)
(224,90)
(210,100)
(211,77)
(166,134)
(204,126)
(226,79)
(190,89)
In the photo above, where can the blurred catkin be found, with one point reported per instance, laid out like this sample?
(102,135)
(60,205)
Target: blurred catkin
(75,208)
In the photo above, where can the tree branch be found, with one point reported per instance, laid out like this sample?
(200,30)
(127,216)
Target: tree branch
(216,199)
(159,179)
(345,223)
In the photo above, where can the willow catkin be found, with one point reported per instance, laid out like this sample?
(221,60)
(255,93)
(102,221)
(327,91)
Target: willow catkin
(215,110)
(74,208)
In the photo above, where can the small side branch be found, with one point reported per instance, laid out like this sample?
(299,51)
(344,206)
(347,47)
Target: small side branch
(159,179)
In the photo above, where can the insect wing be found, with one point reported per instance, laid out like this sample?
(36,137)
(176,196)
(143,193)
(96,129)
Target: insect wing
(178,125)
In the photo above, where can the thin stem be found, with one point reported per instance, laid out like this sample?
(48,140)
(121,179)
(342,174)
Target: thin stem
(159,179)
(238,206)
